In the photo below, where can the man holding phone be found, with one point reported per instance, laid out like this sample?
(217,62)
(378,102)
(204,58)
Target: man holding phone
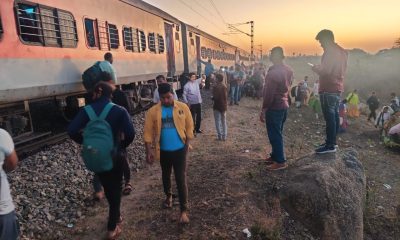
(331,77)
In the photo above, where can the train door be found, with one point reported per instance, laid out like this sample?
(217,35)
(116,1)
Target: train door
(170,49)
(198,54)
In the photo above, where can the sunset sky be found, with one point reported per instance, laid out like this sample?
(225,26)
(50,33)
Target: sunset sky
(367,24)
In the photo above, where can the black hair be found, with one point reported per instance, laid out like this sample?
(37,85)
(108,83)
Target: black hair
(325,35)
(164,88)
(107,56)
(103,89)
(159,77)
(278,51)
(191,74)
(219,77)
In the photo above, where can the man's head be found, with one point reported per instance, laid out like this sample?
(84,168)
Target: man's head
(355,91)
(108,57)
(106,77)
(393,94)
(192,76)
(209,60)
(306,78)
(160,79)
(276,55)
(166,94)
(219,78)
(102,89)
(325,38)
(373,93)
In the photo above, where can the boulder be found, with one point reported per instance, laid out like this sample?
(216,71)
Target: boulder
(326,194)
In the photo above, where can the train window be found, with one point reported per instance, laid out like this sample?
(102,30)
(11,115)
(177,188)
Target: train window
(113,35)
(142,41)
(161,44)
(127,36)
(102,29)
(46,25)
(67,26)
(177,43)
(90,29)
(152,42)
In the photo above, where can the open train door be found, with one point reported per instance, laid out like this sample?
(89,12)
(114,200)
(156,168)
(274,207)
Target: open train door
(169,33)
(198,55)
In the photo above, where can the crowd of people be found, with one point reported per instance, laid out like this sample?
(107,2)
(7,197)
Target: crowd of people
(104,127)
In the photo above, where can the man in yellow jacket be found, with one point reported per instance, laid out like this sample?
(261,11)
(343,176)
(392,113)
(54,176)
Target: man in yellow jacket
(168,130)
(353,102)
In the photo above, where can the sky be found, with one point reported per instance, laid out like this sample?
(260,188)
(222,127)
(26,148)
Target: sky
(370,25)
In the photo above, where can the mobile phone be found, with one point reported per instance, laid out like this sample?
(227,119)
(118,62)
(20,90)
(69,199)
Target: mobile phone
(312,65)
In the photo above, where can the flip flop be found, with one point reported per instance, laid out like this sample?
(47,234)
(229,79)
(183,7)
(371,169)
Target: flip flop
(127,189)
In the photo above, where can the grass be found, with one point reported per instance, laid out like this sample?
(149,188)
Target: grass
(260,231)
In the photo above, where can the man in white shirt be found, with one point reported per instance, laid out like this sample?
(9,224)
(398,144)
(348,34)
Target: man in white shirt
(9,228)
(192,97)
(161,79)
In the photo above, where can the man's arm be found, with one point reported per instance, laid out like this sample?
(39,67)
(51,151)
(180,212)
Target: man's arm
(128,130)
(148,134)
(75,127)
(185,92)
(11,161)
(7,147)
(189,126)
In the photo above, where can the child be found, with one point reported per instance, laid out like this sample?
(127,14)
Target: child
(383,118)
(315,105)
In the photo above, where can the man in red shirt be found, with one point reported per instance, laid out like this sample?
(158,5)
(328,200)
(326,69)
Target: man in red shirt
(331,76)
(275,105)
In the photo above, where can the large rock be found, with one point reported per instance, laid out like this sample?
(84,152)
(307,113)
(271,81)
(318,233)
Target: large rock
(326,194)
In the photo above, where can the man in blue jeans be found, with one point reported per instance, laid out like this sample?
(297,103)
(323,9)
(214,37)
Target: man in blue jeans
(331,76)
(237,77)
(275,105)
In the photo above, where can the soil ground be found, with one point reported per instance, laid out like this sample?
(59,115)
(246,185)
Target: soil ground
(230,190)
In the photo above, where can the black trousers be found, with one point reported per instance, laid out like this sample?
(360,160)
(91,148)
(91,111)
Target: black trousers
(177,161)
(372,114)
(195,109)
(208,82)
(111,181)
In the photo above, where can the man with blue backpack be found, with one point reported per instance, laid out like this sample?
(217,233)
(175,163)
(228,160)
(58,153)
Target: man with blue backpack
(104,128)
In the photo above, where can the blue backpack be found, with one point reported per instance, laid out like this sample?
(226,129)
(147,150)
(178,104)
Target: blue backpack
(98,141)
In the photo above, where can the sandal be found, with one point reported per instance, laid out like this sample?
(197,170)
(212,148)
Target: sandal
(127,189)
(167,203)
(113,235)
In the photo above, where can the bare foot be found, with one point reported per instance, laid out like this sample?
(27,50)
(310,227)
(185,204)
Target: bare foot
(184,218)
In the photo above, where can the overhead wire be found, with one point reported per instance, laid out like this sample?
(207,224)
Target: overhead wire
(216,9)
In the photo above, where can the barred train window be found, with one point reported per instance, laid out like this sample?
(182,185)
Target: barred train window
(1,27)
(161,44)
(142,41)
(177,43)
(152,42)
(46,26)
(131,42)
(90,29)
(113,35)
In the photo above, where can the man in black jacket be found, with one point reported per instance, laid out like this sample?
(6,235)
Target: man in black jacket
(373,104)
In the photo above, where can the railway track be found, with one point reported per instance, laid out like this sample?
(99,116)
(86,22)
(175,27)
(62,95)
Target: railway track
(29,147)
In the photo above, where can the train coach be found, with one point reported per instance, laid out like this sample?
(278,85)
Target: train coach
(45,45)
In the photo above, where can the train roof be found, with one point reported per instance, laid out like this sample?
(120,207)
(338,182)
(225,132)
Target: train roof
(151,9)
(200,32)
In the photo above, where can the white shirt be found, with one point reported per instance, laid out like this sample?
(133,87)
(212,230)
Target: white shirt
(191,92)
(6,148)
(316,88)
(156,97)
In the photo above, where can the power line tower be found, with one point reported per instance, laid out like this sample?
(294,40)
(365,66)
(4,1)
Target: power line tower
(234,30)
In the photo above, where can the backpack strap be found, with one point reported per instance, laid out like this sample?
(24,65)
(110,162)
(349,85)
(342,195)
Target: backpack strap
(106,110)
(90,112)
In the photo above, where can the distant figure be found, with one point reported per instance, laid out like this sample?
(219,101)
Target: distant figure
(220,97)
(168,129)
(275,105)
(373,104)
(353,101)
(382,119)
(343,116)
(192,97)
(236,79)
(106,66)
(161,79)
(306,81)
(121,125)
(9,227)
(395,100)
(208,70)
(315,105)
(331,76)
(316,88)
(305,90)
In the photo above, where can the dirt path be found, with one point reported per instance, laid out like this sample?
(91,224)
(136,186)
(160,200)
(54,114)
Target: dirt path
(229,189)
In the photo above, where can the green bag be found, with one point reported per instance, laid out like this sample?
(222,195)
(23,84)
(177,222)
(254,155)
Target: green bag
(98,141)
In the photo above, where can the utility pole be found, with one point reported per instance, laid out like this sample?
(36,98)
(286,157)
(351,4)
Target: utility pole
(234,30)
(252,41)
